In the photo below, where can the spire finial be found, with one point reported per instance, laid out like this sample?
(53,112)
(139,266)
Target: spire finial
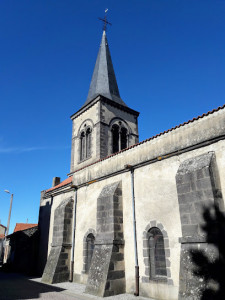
(105,20)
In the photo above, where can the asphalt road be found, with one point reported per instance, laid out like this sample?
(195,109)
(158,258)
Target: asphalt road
(15,286)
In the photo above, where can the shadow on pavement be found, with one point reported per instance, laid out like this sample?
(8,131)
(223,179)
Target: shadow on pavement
(15,286)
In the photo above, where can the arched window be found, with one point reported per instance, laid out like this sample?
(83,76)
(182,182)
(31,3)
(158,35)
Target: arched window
(88,143)
(90,244)
(157,259)
(119,137)
(115,138)
(82,146)
(123,137)
(85,144)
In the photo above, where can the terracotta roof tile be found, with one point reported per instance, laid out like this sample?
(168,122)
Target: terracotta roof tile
(64,182)
(23,226)
(69,179)
(155,136)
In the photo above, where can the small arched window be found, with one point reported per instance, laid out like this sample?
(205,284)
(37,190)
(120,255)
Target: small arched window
(157,259)
(115,138)
(119,137)
(82,146)
(90,241)
(85,144)
(123,137)
(88,143)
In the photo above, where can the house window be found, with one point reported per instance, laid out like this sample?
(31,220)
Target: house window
(85,144)
(119,137)
(90,244)
(157,259)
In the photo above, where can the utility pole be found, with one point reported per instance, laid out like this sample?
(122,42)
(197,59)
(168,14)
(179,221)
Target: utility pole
(10,209)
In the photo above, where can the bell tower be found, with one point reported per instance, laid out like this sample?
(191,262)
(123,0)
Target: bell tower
(104,124)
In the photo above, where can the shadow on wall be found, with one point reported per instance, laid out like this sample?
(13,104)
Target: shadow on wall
(211,270)
(23,252)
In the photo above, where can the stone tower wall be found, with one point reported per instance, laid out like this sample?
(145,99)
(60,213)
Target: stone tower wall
(107,271)
(99,116)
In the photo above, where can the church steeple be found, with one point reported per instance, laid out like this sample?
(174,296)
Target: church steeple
(103,80)
(104,124)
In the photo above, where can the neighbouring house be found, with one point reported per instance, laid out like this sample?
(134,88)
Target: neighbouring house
(2,237)
(130,213)
(22,247)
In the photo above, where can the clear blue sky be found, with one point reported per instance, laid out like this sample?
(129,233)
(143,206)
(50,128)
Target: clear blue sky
(169,60)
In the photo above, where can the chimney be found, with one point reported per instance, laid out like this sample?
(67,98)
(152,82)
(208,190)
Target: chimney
(55,181)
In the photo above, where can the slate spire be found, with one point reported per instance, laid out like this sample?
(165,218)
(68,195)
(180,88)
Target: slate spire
(103,80)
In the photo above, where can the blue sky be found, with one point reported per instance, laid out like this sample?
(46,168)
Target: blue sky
(169,61)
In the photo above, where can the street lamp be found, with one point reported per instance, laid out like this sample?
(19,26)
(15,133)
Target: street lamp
(11,200)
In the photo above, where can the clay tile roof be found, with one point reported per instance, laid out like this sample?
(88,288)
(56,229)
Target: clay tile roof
(64,182)
(23,226)
(155,136)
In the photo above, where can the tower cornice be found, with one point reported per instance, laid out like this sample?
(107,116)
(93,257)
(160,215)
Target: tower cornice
(105,100)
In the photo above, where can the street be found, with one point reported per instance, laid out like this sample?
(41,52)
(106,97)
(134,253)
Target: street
(16,286)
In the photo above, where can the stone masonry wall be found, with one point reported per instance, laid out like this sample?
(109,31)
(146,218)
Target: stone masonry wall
(107,271)
(197,187)
(58,263)
(43,227)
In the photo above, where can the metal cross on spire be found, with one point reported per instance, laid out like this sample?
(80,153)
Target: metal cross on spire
(105,21)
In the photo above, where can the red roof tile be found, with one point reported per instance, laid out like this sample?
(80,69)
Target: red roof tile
(153,137)
(69,179)
(23,226)
(64,182)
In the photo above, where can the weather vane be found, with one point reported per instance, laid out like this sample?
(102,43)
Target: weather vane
(105,22)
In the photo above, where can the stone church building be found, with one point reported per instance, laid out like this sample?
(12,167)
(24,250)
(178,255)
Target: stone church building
(129,214)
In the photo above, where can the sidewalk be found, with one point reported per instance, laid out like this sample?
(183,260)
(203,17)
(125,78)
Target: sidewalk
(77,291)
(14,286)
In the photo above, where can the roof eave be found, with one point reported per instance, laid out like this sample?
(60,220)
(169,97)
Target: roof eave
(107,100)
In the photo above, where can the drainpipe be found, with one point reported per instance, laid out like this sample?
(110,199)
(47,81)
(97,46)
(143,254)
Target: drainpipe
(73,234)
(134,230)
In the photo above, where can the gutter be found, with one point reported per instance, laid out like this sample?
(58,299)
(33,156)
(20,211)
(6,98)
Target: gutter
(68,188)
(152,160)
(129,167)
(73,234)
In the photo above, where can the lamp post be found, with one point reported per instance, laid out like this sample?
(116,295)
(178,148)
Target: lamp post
(10,209)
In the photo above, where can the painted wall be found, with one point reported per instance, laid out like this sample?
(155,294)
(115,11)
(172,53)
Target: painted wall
(155,193)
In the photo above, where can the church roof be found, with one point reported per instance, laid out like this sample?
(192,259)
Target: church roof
(103,80)
(154,137)
(64,182)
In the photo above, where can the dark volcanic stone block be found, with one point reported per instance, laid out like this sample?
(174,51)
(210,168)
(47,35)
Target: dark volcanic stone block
(57,266)
(202,175)
(107,271)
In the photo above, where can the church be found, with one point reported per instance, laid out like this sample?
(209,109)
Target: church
(130,214)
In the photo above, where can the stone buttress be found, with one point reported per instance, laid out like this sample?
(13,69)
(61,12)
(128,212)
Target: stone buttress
(107,271)
(198,188)
(57,267)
